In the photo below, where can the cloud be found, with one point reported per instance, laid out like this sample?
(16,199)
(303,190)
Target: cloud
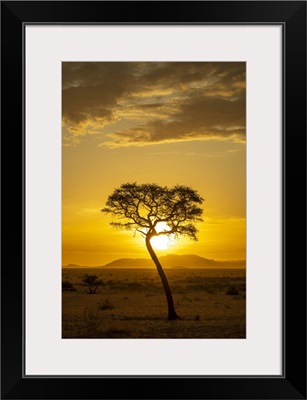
(145,103)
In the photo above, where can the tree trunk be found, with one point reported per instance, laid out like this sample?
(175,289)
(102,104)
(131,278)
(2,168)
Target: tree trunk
(170,302)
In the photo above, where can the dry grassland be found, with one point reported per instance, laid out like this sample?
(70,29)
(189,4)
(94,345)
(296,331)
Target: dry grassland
(131,304)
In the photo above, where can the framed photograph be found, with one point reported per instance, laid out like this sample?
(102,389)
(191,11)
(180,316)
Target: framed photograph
(156,198)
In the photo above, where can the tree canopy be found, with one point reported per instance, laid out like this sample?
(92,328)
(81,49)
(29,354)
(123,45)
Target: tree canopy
(141,207)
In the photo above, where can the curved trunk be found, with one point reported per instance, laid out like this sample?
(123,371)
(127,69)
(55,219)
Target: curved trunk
(170,302)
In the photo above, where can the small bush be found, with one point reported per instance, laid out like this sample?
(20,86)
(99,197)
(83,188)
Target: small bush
(105,305)
(68,286)
(231,290)
(133,285)
(92,282)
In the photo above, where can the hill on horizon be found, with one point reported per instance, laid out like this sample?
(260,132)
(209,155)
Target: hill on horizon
(73,266)
(169,261)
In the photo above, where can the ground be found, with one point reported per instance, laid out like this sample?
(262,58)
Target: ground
(131,304)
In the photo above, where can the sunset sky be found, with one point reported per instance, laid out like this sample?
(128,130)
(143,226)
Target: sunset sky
(149,122)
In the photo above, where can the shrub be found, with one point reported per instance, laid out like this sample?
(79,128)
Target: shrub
(231,290)
(105,305)
(68,286)
(92,282)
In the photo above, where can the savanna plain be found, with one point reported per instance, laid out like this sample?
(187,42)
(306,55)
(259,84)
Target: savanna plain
(130,303)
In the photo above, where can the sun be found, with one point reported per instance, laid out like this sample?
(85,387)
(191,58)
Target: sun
(162,242)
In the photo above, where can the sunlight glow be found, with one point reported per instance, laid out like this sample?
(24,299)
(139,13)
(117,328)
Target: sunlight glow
(162,242)
(161,227)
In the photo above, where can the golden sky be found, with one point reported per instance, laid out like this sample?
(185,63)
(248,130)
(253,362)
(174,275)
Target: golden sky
(149,122)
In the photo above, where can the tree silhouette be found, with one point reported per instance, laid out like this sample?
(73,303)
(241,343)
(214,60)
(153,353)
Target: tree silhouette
(143,207)
(92,282)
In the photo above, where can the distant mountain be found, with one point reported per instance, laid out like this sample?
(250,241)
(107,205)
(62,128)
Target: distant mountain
(130,263)
(73,266)
(175,261)
(188,261)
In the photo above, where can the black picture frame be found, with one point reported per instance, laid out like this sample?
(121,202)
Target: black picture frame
(291,15)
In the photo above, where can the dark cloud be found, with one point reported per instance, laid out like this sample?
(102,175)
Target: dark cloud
(157,101)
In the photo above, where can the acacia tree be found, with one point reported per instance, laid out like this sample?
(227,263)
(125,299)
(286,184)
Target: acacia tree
(141,208)
(92,282)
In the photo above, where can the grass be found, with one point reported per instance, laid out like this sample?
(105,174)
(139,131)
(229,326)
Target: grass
(132,305)
(90,323)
